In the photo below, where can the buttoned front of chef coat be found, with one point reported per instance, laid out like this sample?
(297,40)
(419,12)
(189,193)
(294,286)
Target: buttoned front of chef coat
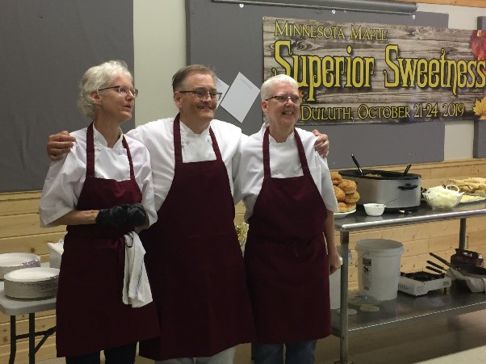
(284,163)
(158,137)
(66,177)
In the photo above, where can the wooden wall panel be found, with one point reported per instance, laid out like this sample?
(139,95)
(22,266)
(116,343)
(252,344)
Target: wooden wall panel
(30,243)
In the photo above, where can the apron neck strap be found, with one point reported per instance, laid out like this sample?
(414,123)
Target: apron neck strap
(266,154)
(177,139)
(129,155)
(90,151)
(300,148)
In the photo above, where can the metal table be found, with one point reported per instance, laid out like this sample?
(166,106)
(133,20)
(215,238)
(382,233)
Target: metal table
(404,307)
(20,307)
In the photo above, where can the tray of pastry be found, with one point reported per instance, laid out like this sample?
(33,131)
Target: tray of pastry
(347,194)
(474,186)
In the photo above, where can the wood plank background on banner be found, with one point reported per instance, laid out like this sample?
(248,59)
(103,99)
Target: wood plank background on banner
(411,43)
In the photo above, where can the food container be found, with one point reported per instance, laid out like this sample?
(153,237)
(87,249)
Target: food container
(379,267)
(440,197)
(13,261)
(31,283)
(396,190)
(374,209)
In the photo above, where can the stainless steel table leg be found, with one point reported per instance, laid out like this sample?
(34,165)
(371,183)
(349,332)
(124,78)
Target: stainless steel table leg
(31,338)
(343,327)
(462,233)
(13,340)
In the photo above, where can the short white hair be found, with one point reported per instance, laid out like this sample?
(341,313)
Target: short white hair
(97,77)
(269,84)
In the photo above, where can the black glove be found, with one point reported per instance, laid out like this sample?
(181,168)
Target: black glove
(136,214)
(122,215)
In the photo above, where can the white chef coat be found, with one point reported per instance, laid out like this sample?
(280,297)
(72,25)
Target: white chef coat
(66,177)
(284,163)
(158,137)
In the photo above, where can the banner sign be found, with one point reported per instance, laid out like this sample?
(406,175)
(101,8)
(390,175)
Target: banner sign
(361,72)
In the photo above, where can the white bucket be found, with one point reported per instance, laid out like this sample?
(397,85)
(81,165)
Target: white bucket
(379,267)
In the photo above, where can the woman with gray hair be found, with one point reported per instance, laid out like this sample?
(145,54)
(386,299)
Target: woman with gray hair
(290,251)
(102,190)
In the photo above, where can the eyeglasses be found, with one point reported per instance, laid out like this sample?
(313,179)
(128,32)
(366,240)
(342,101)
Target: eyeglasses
(283,98)
(202,93)
(122,90)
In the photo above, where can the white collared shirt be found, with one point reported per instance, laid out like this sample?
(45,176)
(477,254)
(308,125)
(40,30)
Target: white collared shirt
(158,137)
(65,178)
(284,163)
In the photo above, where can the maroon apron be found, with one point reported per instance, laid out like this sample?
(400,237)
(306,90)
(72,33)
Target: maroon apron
(195,265)
(286,259)
(90,313)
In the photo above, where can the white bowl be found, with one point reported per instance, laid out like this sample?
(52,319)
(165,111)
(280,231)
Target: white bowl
(374,209)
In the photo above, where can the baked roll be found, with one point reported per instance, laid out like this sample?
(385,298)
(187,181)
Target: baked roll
(352,198)
(340,195)
(348,186)
(336,178)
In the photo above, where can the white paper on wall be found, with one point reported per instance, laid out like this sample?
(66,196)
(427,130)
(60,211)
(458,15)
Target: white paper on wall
(240,97)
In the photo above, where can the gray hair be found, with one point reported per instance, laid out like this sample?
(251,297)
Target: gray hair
(181,75)
(97,77)
(267,86)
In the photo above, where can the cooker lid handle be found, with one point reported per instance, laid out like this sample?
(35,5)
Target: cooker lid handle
(357,164)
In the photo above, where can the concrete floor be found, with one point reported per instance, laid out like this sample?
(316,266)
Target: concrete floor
(435,340)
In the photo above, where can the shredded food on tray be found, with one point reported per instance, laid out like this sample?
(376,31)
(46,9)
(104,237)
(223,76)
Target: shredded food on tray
(471,185)
(472,198)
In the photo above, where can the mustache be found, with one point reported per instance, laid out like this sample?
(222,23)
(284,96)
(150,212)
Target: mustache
(210,105)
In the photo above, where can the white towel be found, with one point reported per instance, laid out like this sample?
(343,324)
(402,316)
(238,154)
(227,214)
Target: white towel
(136,287)
(475,284)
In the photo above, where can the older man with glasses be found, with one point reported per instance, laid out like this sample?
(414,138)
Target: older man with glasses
(194,261)
(195,265)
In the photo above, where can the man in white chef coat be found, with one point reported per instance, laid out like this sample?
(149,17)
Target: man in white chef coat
(195,266)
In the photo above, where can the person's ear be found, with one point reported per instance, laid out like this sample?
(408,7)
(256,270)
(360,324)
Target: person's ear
(264,106)
(95,97)
(178,99)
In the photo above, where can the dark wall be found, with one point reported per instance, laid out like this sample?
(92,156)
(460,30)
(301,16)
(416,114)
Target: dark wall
(45,48)
(229,38)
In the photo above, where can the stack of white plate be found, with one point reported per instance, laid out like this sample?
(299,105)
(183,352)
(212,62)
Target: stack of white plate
(13,261)
(31,283)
